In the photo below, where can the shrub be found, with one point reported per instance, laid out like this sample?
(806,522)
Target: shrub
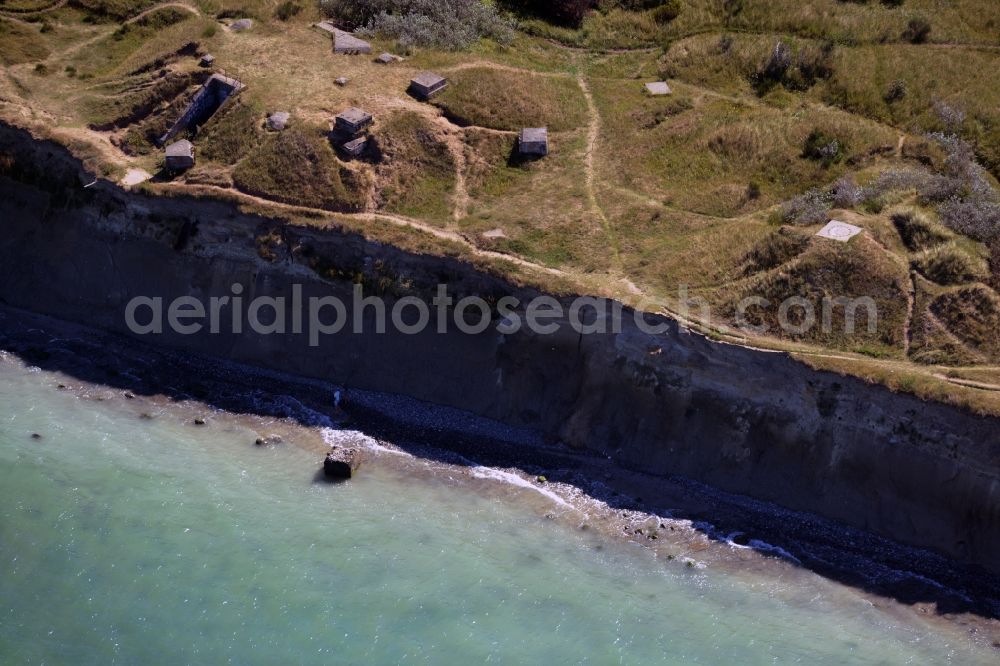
(777,63)
(824,148)
(287,10)
(948,265)
(977,217)
(950,116)
(667,12)
(452,25)
(917,231)
(794,71)
(895,92)
(918,30)
(733,8)
(567,13)
(846,193)
(813,207)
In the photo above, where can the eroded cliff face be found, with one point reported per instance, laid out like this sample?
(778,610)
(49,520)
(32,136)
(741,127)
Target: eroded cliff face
(745,421)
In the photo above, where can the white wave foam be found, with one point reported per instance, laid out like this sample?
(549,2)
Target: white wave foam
(481,472)
(777,550)
(357,439)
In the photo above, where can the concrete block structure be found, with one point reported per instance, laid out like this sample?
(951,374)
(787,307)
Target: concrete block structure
(180,155)
(353,121)
(533,142)
(427,84)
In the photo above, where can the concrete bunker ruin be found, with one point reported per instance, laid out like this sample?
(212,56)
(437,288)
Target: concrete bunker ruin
(427,84)
(343,41)
(212,95)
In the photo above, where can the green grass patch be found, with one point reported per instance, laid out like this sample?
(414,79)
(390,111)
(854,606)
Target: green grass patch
(949,264)
(232,132)
(20,44)
(831,270)
(116,10)
(138,45)
(417,173)
(298,166)
(718,156)
(132,100)
(507,100)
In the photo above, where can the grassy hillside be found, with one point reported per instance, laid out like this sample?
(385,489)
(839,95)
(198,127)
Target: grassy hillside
(784,115)
(19,43)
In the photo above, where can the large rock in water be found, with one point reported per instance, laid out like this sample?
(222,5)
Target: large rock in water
(341,463)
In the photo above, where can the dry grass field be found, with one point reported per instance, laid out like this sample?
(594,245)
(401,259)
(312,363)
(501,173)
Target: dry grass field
(642,198)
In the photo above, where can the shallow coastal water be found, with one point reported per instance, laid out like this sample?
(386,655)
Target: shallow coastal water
(150,540)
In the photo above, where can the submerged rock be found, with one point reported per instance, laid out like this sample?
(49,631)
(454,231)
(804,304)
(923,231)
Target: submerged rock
(341,463)
(35,436)
(270,440)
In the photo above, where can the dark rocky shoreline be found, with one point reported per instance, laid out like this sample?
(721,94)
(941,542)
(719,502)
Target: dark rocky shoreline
(967,595)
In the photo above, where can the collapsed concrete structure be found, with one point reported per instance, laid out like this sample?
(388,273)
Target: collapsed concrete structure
(278,121)
(349,131)
(343,41)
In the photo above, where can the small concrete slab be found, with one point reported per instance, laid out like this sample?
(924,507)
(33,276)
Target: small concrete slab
(387,59)
(135,176)
(241,25)
(207,60)
(839,231)
(494,234)
(658,88)
(342,81)
(278,121)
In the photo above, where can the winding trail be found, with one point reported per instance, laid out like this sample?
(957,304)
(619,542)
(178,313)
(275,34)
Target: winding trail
(486,64)
(166,5)
(911,300)
(392,218)
(593,138)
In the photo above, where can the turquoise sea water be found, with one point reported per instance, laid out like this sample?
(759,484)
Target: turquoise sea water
(137,541)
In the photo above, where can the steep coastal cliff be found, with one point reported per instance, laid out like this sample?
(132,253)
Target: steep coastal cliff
(745,421)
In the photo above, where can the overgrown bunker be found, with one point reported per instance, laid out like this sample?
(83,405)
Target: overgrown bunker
(212,95)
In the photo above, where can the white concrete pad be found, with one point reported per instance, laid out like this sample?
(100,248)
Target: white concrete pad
(658,88)
(135,176)
(839,231)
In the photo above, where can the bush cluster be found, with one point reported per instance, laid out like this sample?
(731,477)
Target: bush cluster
(823,147)
(813,207)
(448,24)
(795,71)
